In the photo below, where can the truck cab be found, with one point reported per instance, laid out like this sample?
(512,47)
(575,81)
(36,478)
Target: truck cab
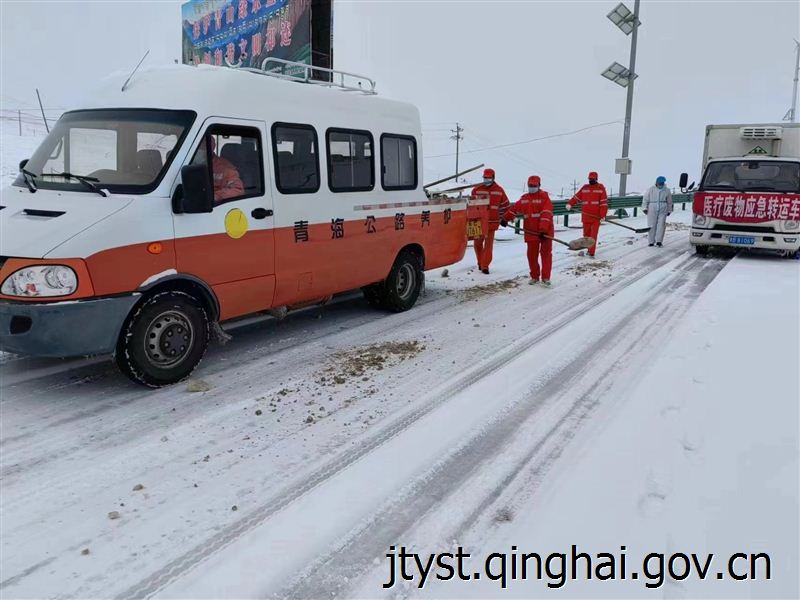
(749,194)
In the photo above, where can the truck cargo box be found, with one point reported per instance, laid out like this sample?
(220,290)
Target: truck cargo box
(771,139)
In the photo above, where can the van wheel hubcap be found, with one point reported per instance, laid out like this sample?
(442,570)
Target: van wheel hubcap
(168,339)
(406,279)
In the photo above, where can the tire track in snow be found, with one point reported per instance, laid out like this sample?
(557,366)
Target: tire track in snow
(106,450)
(150,585)
(330,576)
(99,461)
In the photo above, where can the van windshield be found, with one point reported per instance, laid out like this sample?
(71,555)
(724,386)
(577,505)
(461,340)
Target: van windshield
(121,150)
(752,176)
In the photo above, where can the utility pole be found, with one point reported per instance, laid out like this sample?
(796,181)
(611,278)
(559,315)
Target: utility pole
(457,137)
(792,114)
(626,137)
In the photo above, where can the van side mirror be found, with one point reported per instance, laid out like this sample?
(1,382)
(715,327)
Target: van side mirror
(683,180)
(22,163)
(197,191)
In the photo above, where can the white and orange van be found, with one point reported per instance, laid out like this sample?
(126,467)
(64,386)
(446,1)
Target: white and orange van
(190,196)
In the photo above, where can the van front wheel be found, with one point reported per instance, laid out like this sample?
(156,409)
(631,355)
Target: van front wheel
(163,340)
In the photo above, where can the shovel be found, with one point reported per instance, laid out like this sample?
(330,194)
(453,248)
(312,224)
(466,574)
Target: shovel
(582,243)
(633,229)
(614,222)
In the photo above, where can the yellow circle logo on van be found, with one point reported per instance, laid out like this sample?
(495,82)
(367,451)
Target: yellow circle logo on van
(235,223)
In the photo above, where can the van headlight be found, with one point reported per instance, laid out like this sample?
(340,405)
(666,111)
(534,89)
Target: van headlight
(791,225)
(699,220)
(41,281)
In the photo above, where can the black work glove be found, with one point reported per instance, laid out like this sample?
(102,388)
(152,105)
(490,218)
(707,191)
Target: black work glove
(503,222)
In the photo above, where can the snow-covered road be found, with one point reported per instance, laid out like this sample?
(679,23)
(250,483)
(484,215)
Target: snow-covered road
(319,441)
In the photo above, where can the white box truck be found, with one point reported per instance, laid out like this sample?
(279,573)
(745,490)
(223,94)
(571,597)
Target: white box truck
(749,195)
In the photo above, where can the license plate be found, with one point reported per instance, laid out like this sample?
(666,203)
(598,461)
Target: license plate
(744,240)
(474,229)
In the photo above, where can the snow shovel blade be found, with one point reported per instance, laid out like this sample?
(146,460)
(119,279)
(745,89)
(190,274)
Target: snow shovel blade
(582,243)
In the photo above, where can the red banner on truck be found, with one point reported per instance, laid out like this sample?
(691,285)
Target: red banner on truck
(747,207)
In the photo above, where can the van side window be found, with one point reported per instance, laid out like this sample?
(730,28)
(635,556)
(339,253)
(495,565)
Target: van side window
(351,167)
(236,158)
(398,162)
(296,158)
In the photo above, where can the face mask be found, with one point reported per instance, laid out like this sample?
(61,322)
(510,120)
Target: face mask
(488,181)
(592,181)
(533,189)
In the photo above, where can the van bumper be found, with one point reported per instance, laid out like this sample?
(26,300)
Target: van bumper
(63,329)
(766,241)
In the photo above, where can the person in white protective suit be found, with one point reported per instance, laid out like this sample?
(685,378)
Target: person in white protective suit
(657,205)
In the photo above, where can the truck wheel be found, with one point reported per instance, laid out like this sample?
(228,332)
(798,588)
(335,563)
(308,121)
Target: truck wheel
(163,340)
(404,283)
(701,250)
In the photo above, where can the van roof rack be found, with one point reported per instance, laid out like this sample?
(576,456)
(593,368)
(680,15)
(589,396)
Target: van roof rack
(277,67)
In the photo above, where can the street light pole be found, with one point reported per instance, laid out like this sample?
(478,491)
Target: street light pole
(626,136)
(794,89)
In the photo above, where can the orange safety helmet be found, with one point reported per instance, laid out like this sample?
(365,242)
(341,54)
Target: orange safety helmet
(488,173)
(593,175)
(534,181)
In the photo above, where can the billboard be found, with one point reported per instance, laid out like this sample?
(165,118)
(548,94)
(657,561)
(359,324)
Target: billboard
(242,33)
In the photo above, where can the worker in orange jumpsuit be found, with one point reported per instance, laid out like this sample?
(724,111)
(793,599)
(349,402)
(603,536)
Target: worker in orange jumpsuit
(498,205)
(537,210)
(594,207)
(227,182)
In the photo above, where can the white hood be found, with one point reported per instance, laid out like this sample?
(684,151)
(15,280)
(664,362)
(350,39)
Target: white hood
(33,225)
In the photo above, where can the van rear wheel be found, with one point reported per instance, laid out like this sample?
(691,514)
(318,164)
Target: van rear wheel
(404,283)
(163,340)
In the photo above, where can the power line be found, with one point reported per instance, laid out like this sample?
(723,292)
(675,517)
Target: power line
(525,161)
(546,137)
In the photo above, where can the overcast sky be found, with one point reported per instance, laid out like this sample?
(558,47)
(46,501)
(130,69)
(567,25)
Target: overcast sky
(507,71)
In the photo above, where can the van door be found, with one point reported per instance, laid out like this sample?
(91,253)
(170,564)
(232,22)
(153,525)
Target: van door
(231,248)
